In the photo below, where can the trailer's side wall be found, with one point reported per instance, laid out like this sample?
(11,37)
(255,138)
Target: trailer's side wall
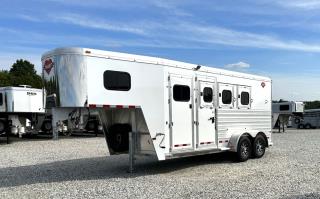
(253,119)
(146,90)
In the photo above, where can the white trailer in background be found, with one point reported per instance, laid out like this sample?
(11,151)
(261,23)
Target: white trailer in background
(22,111)
(286,113)
(156,106)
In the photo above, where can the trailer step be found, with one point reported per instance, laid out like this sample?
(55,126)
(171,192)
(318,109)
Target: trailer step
(191,152)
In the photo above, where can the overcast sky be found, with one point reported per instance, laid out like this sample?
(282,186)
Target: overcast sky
(277,38)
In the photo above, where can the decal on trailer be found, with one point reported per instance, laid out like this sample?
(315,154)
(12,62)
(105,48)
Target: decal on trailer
(48,65)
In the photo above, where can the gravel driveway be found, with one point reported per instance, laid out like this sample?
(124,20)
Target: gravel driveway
(79,168)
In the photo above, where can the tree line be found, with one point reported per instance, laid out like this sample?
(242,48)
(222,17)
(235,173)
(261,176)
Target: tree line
(22,72)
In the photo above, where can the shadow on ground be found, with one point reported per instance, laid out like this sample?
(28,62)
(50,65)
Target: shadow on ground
(100,168)
(304,196)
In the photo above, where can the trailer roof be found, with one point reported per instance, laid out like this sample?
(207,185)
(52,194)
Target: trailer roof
(149,60)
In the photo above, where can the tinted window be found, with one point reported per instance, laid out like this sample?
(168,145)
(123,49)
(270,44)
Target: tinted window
(117,80)
(284,107)
(1,99)
(245,98)
(207,94)
(181,93)
(226,97)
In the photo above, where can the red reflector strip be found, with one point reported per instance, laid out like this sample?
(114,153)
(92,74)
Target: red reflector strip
(222,141)
(106,106)
(205,143)
(180,145)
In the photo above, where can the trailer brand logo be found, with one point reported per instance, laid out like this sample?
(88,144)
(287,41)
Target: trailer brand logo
(263,84)
(48,65)
(31,93)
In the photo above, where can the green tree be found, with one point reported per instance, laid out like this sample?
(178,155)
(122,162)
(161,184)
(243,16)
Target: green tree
(312,105)
(23,72)
(4,78)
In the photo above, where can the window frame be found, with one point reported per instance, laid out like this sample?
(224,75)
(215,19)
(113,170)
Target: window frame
(284,105)
(183,86)
(240,90)
(203,95)
(247,104)
(128,88)
(232,89)
(224,90)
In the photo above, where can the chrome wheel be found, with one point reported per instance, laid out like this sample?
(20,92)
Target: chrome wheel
(259,146)
(244,149)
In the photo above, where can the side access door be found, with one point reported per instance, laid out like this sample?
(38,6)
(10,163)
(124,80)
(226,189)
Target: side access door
(206,113)
(181,112)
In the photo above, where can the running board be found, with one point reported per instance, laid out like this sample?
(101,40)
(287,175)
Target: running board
(188,153)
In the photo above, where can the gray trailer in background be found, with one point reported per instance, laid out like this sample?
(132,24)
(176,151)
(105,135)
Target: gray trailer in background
(287,114)
(310,119)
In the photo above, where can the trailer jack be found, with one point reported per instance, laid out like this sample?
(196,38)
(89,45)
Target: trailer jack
(132,144)
(132,141)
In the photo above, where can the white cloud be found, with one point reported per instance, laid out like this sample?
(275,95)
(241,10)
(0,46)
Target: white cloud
(29,18)
(239,65)
(300,4)
(219,35)
(90,22)
(177,31)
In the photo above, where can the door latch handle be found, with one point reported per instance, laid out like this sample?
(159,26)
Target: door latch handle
(212,119)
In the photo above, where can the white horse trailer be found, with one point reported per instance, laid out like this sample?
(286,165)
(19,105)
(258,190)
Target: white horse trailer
(22,110)
(157,106)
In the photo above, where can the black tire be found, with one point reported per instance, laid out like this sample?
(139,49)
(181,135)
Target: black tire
(300,126)
(92,126)
(259,146)
(244,149)
(307,126)
(67,133)
(2,126)
(297,121)
(118,137)
(46,126)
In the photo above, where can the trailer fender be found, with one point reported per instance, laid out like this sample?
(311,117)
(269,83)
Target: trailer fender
(234,140)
